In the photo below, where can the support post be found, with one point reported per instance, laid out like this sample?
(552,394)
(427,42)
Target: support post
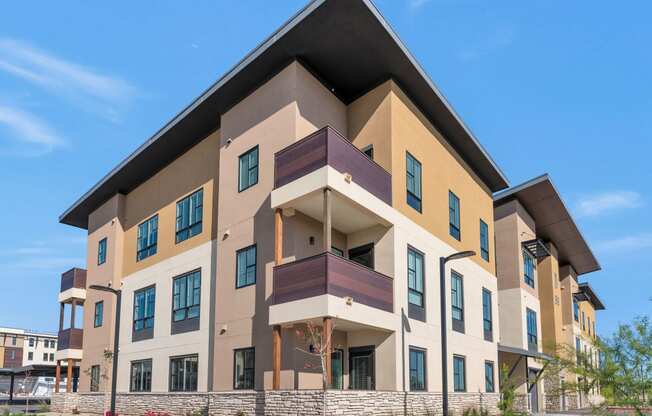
(62,313)
(276,357)
(327,220)
(73,309)
(444,334)
(69,376)
(116,349)
(11,389)
(57,377)
(278,236)
(327,338)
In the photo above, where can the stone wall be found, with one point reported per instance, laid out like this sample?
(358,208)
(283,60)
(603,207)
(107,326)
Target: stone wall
(276,403)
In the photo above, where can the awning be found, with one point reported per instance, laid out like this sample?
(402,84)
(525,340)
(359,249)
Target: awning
(524,352)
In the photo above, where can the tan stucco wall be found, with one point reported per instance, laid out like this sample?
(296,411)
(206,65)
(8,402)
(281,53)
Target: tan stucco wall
(550,294)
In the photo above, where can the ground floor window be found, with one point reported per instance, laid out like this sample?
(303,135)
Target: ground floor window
(362,374)
(183,373)
(459,373)
(337,369)
(141,376)
(95,378)
(489,377)
(417,369)
(244,369)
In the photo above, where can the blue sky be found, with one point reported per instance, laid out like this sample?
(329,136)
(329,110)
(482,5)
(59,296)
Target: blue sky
(547,86)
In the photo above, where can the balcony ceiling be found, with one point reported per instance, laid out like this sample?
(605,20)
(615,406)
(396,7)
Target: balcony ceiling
(347,44)
(553,222)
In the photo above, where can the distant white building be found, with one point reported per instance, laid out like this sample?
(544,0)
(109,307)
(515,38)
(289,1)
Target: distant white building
(39,348)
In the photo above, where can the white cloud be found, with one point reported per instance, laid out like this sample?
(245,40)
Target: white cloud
(627,243)
(34,136)
(499,39)
(416,4)
(607,202)
(87,88)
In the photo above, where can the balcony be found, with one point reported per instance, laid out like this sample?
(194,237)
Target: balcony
(70,339)
(73,285)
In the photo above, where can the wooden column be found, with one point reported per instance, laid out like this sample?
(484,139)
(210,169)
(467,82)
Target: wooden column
(327,220)
(327,339)
(57,377)
(69,376)
(276,357)
(278,236)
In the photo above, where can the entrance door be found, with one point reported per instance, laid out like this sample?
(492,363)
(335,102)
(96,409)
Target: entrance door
(362,372)
(534,391)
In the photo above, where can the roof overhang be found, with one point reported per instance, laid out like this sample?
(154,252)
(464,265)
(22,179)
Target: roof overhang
(553,222)
(587,294)
(350,48)
(523,352)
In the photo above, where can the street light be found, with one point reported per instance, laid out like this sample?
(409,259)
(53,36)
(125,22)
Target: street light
(444,341)
(116,338)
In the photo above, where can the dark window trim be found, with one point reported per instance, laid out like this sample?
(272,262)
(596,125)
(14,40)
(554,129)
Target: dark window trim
(176,218)
(458,324)
(341,351)
(254,245)
(235,352)
(463,374)
(131,375)
(425,367)
(150,246)
(355,350)
(415,311)
(529,280)
(484,253)
(186,324)
(256,147)
(102,259)
(493,376)
(451,226)
(531,344)
(337,251)
(179,357)
(143,333)
(408,193)
(95,325)
(488,333)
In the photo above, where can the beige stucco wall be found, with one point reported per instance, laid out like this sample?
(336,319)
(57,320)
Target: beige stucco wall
(550,294)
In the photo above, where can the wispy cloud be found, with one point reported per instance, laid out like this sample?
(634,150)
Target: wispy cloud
(46,256)
(499,39)
(627,243)
(417,4)
(89,89)
(608,202)
(26,134)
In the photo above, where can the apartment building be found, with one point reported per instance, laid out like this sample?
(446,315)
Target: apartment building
(322,181)
(11,347)
(540,254)
(23,347)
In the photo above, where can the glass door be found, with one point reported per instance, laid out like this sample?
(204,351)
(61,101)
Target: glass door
(337,369)
(362,368)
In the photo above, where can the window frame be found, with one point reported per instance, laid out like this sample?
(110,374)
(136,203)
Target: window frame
(184,359)
(454,216)
(30,356)
(244,351)
(417,180)
(484,240)
(102,251)
(94,378)
(142,376)
(415,310)
(531,323)
(100,316)
(187,307)
(145,331)
(489,388)
(245,250)
(528,260)
(576,311)
(195,227)
(488,333)
(151,249)
(249,168)
(457,323)
(463,375)
(424,353)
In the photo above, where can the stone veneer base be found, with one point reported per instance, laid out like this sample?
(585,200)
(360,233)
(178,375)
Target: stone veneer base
(276,403)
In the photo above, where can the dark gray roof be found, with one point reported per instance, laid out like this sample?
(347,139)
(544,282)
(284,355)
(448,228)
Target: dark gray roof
(589,295)
(553,222)
(347,44)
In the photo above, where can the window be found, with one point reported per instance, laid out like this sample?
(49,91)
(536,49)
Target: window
(576,311)
(45,356)
(31,342)
(248,175)
(183,373)
(457,301)
(30,356)
(413,182)
(594,334)
(51,356)
(588,327)
(459,373)
(337,369)
(141,376)
(532,337)
(95,378)
(417,369)
(369,151)
(189,216)
(144,301)
(583,321)
(578,349)
(337,251)
(147,237)
(245,267)
(528,267)
(12,354)
(454,216)
(363,255)
(484,240)
(13,340)
(53,344)
(487,319)
(489,385)
(415,278)
(101,251)
(99,314)
(186,293)
(243,369)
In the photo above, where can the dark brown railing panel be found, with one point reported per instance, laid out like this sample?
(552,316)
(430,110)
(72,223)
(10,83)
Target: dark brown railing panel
(70,338)
(327,147)
(73,278)
(328,273)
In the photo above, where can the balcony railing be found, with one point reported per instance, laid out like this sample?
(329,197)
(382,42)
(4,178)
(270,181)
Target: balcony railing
(327,147)
(73,278)
(70,338)
(328,273)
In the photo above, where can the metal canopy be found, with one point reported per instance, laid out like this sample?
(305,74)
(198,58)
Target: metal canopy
(553,222)
(348,45)
(523,352)
(586,294)
(536,248)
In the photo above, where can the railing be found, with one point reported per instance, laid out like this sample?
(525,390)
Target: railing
(327,147)
(70,338)
(328,273)
(73,278)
